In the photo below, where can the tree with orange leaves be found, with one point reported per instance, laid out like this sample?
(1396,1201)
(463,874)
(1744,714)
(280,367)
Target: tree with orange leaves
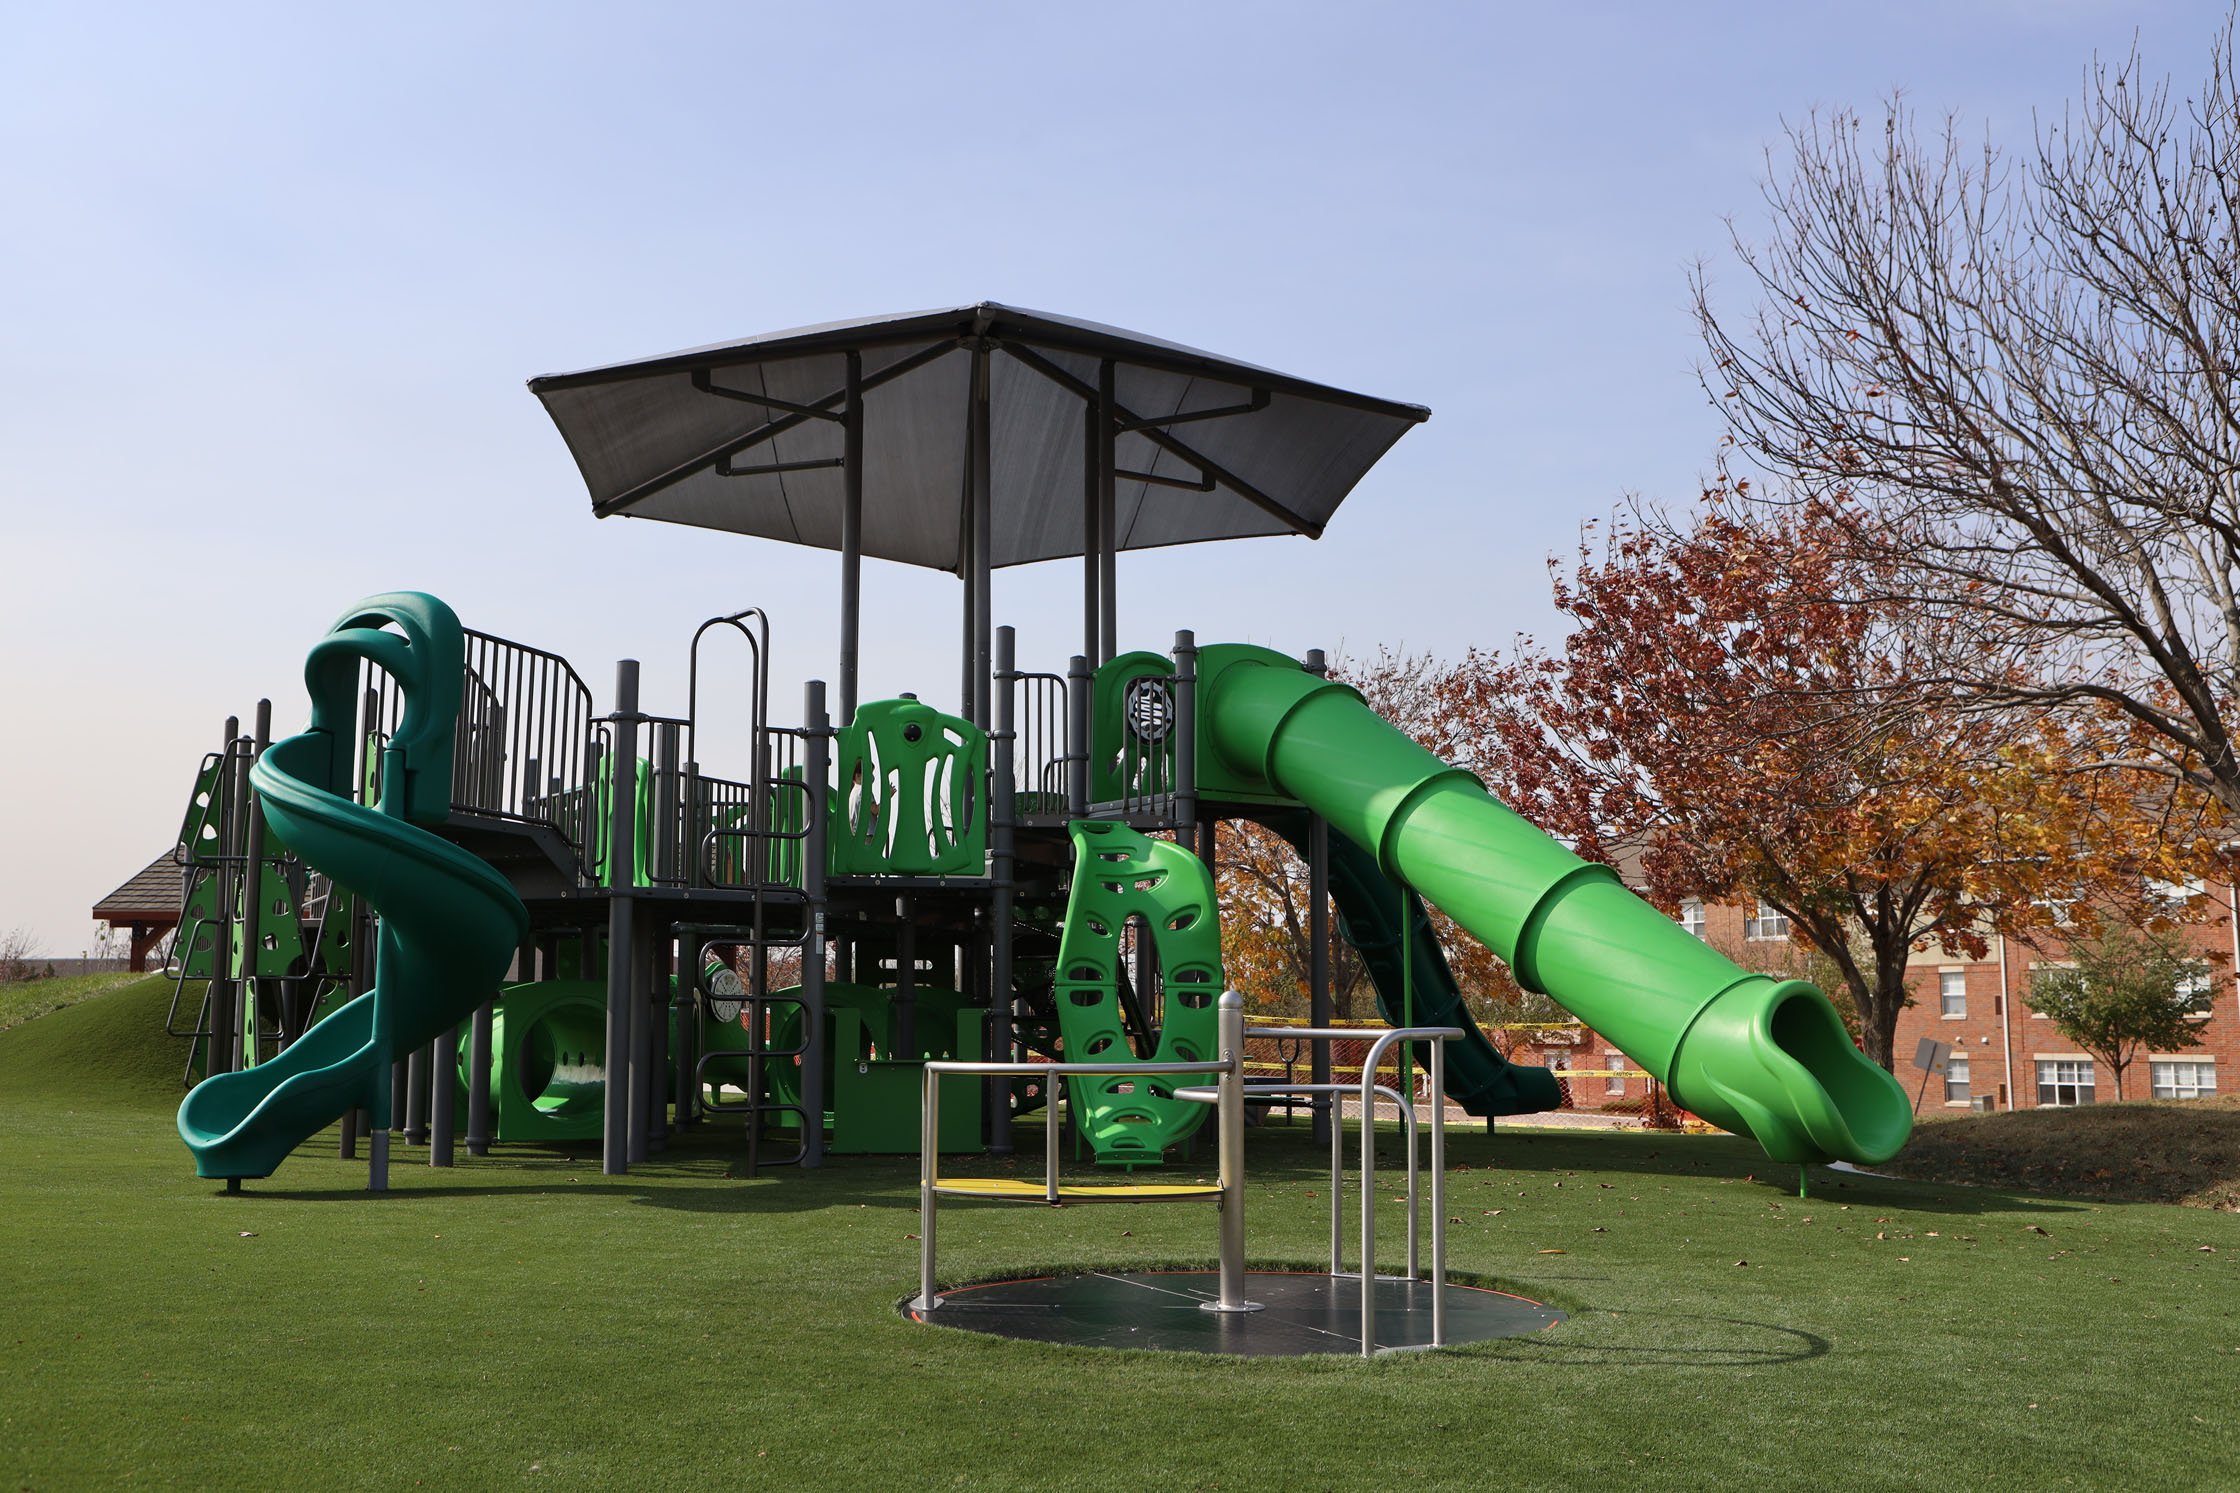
(1720,717)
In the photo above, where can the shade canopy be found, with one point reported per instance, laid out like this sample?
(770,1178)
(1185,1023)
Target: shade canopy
(751,436)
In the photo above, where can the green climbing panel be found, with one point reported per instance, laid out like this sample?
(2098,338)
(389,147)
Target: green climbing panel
(1131,718)
(913,795)
(1119,876)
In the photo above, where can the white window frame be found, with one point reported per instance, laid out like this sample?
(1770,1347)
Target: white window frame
(2200,982)
(1614,1082)
(2083,1080)
(1694,918)
(1766,925)
(2160,1077)
(1949,983)
(1956,1084)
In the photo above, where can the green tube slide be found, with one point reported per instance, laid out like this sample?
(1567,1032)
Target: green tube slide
(1759,1056)
(1404,960)
(449,922)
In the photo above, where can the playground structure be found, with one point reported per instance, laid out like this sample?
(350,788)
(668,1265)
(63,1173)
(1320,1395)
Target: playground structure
(886,885)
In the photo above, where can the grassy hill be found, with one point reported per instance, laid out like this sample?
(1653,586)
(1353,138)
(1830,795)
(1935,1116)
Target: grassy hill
(2170,1152)
(523,1319)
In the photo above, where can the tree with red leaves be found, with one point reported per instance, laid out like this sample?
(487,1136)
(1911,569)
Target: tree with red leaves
(1721,721)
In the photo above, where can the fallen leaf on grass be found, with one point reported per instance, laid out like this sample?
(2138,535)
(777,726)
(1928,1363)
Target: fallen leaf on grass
(1554,1251)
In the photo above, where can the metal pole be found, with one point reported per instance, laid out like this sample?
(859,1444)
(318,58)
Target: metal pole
(641,1038)
(1230,1118)
(1078,749)
(851,539)
(252,888)
(1092,529)
(443,1099)
(1003,812)
(219,1001)
(1186,743)
(416,1096)
(983,538)
(817,769)
(1108,538)
(929,1149)
(622,839)
(480,1036)
(1368,1204)
(1336,1102)
(1319,1012)
(657,1065)
(1438,1192)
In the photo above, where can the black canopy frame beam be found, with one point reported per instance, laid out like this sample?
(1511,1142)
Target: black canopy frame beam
(724,468)
(704,380)
(1204,482)
(1252,406)
(1174,446)
(621,502)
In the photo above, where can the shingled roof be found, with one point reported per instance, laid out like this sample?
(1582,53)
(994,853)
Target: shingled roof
(151,896)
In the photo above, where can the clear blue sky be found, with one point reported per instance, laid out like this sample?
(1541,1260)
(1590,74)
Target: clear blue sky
(271,279)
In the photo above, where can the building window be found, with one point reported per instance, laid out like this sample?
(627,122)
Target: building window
(1614,1080)
(1692,918)
(2064,1081)
(2196,991)
(1765,924)
(2183,1078)
(1956,1079)
(1952,992)
(2173,896)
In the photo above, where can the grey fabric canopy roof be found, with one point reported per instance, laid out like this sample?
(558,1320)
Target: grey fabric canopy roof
(750,436)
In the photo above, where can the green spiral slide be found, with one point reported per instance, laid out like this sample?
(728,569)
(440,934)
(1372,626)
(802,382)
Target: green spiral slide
(449,922)
(1763,1057)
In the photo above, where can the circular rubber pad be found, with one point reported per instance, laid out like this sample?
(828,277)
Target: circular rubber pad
(1161,1310)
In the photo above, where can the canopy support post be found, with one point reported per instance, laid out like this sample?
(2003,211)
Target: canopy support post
(1108,538)
(1092,527)
(851,540)
(979,594)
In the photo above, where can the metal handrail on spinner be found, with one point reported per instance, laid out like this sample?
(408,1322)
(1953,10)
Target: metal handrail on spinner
(1228,1097)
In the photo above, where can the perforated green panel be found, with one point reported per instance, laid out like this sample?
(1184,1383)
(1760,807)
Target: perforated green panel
(1119,874)
(913,798)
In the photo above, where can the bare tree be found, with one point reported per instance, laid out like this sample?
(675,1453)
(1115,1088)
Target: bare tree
(2016,376)
(18,955)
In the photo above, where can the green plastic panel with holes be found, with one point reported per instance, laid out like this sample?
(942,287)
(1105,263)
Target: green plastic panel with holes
(913,797)
(1154,901)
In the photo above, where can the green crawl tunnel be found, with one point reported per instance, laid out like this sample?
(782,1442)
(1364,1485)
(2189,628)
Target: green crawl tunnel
(548,1056)
(1764,1057)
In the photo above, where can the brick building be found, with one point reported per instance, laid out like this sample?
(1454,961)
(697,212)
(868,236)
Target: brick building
(2004,1055)
(2008,1055)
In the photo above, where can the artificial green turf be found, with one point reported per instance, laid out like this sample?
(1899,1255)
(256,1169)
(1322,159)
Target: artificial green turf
(20,1000)
(523,1320)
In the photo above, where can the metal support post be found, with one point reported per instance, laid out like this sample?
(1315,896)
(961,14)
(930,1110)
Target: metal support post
(983,538)
(443,1099)
(1229,1117)
(1078,748)
(1108,611)
(929,1155)
(657,1064)
(219,1001)
(1186,744)
(817,768)
(250,1013)
(641,1039)
(1438,1193)
(480,1036)
(416,1089)
(1003,811)
(851,538)
(622,839)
